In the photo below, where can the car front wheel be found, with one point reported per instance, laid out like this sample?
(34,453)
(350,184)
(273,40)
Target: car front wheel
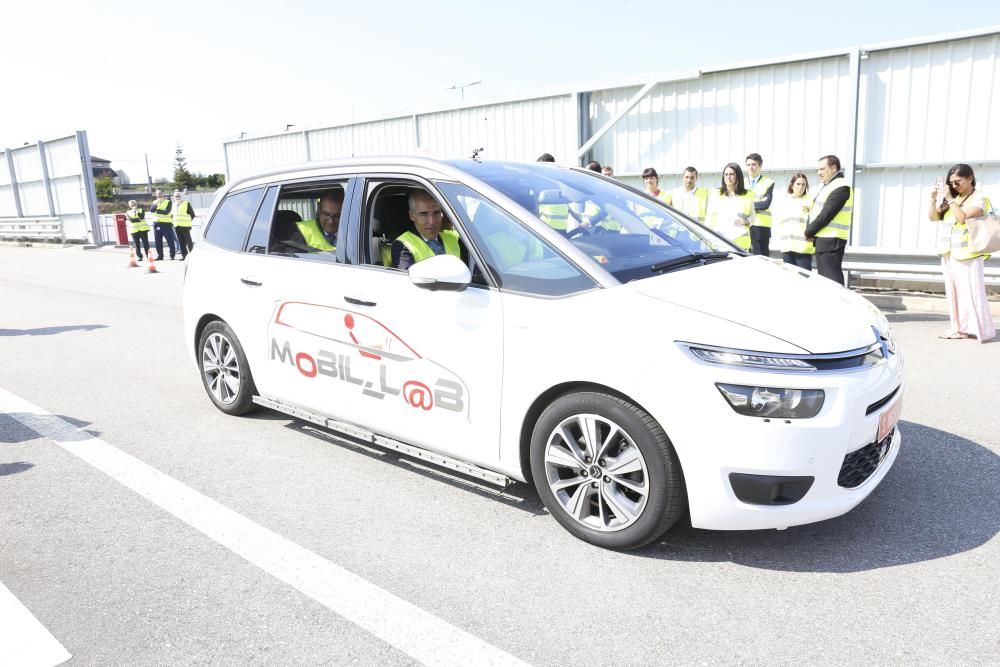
(225,372)
(606,470)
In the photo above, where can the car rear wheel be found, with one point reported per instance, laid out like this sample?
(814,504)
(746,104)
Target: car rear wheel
(606,470)
(225,372)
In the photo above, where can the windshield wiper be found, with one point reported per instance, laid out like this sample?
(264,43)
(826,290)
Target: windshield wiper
(695,258)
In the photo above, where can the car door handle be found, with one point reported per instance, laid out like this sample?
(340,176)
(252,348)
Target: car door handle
(358,302)
(250,280)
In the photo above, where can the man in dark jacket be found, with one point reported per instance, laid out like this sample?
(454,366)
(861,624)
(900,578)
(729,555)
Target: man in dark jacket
(829,225)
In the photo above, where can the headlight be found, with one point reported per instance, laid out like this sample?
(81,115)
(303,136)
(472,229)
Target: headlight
(773,403)
(750,359)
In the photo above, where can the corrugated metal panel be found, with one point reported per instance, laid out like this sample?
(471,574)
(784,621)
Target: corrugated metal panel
(519,130)
(791,113)
(251,156)
(383,137)
(891,204)
(931,103)
(31,188)
(63,157)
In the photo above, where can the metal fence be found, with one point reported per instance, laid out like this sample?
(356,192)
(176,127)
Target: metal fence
(47,190)
(897,114)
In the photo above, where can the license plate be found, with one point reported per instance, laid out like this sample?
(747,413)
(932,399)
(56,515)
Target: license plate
(888,419)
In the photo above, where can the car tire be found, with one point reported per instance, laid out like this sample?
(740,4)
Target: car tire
(606,470)
(225,373)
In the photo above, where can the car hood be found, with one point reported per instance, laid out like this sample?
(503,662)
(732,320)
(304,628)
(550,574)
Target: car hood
(803,309)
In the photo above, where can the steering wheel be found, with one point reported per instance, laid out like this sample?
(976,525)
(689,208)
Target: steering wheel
(579,231)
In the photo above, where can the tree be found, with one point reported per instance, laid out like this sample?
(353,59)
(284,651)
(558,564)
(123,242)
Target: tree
(104,188)
(182,177)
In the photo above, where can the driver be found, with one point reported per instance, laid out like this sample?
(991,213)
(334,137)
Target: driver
(427,217)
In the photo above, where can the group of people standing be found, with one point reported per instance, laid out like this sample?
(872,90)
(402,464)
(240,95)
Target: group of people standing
(173,219)
(748,212)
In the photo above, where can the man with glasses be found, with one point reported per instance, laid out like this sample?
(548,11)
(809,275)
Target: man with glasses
(427,217)
(321,233)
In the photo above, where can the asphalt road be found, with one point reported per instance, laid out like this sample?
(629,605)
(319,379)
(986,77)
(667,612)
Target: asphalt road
(910,576)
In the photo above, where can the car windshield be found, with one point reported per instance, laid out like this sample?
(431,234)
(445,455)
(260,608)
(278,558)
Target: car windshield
(632,235)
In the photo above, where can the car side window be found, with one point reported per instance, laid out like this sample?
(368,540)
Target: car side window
(518,259)
(231,222)
(259,233)
(406,223)
(307,221)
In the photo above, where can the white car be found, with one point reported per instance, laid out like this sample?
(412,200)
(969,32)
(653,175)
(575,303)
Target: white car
(575,333)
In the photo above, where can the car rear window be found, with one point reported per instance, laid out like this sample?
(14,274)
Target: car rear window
(231,221)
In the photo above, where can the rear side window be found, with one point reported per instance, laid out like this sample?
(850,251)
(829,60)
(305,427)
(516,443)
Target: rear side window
(232,219)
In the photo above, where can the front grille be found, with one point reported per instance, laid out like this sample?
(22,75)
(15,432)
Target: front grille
(860,464)
(879,403)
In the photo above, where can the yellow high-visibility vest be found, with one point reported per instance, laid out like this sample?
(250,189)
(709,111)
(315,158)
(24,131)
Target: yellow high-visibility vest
(183,215)
(554,215)
(762,217)
(840,226)
(136,220)
(960,235)
(700,196)
(790,224)
(162,211)
(721,204)
(421,251)
(313,235)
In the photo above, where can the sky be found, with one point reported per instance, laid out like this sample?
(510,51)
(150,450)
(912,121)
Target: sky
(141,78)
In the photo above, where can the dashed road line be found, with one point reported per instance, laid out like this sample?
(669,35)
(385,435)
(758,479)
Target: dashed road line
(24,641)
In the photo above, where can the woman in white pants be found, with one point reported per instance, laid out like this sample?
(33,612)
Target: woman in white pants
(953,201)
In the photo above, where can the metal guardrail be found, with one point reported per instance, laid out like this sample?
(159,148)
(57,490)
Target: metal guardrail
(32,228)
(908,265)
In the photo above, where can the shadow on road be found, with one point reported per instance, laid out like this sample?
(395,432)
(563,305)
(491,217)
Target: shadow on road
(49,331)
(13,428)
(906,316)
(939,499)
(14,468)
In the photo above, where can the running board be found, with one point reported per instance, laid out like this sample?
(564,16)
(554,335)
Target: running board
(367,437)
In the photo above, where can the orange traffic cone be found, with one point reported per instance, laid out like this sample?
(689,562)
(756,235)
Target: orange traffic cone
(152,265)
(131,258)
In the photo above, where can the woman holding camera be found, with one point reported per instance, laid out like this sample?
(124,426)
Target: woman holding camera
(953,201)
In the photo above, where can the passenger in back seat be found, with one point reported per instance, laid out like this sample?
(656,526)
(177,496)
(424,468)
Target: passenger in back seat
(322,235)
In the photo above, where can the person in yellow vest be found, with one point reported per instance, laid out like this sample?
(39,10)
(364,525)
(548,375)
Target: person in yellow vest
(183,215)
(138,228)
(790,213)
(954,201)
(163,228)
(429,240)
(829,225)
(651,181)
(730,208)
(763,190)
(321,233)
(689,199)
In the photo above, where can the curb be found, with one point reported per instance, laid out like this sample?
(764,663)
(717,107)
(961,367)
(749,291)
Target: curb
(918,303)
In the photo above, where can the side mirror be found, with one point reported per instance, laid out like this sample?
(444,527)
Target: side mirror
(441,272)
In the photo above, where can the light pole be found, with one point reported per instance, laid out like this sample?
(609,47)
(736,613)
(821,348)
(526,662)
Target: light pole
(460,87)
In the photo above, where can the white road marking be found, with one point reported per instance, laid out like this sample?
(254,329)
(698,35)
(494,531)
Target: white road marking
(24,642)
(416,632)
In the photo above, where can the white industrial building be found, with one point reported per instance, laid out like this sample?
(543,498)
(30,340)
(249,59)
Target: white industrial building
(897,114)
